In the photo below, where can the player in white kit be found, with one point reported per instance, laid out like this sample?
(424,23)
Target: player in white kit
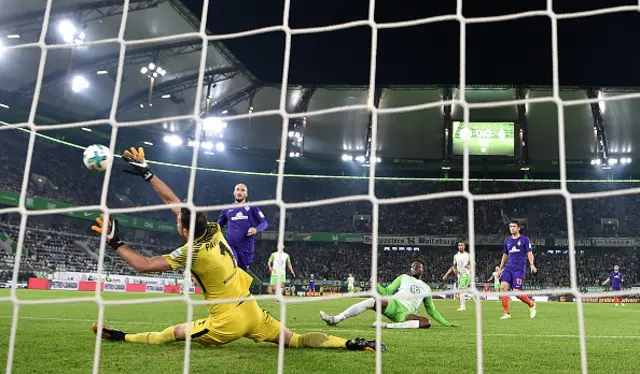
(278,263)
(462,268)
(351,283)
(401,312)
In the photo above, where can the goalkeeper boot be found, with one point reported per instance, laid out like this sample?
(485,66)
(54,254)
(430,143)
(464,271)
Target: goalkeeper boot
(361,344)
(108,333)
(328,319)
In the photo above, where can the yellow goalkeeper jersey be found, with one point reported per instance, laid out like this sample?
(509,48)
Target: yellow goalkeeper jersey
(214,269)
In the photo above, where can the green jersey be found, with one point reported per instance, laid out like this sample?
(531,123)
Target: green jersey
(415,292)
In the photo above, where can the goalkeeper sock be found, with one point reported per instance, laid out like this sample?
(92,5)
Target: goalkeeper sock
(413,324)
(316,340)
(463,300)
(525,299)
(505,304)
(356,309)
(166,336)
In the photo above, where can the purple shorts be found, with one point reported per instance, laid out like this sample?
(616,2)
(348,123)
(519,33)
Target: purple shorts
(312,288)
(616,288)
(514,278)
(243,259)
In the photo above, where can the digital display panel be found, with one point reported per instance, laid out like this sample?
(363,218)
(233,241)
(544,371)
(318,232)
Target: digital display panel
(484,138)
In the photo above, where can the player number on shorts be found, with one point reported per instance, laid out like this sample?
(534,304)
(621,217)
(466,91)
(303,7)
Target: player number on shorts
(519,281)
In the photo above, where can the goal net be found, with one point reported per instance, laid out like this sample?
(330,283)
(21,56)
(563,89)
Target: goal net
(369,184)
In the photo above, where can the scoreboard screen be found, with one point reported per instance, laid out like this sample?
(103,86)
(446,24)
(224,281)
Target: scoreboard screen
(484,138)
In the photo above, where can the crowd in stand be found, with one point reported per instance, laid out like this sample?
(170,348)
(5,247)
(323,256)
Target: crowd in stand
(54,245)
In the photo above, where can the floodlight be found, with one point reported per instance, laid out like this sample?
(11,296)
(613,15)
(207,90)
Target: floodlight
(173,140)
(79,83)
(220,147)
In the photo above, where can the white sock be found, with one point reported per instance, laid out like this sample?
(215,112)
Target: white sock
(355,309)
(413,324)
(463,301)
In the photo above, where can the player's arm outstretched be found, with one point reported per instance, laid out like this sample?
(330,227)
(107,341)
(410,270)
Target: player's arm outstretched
(139,262)
(390,289)
(138,166)
(433,312)
(290,267)
(446,275)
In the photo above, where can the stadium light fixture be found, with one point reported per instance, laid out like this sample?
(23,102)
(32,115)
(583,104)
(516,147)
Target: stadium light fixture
(70,33)
(598,161)
(79,83)
(378,160)
(360,159)
(613,161)
(220,147)
(147,143)
(5,106)
(166,96)
(206,145)
(209,153)
(346,157)
(101,72)
(13,36)
(152,71)
(224,112)
(86,129)
(291,134)
(213,125)
(173,140)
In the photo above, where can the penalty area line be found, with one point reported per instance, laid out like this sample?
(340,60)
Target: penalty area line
(431,332)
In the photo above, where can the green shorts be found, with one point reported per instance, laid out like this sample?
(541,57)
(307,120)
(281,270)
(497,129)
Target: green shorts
(395,311)
(496,286)
(274,279)
(350,288)
(464,281)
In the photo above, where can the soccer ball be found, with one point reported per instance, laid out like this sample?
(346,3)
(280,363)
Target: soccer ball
(96,157)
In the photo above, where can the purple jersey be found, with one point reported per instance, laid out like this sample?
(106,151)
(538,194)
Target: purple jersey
(517,250)
(616,280)
(240,220)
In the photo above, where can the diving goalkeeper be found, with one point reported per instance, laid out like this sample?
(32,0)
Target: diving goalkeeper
(214,269)
(402,313)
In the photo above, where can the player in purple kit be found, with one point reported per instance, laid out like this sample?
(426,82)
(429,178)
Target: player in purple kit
(244,223)
(312,284)
(616,283)
(516,251)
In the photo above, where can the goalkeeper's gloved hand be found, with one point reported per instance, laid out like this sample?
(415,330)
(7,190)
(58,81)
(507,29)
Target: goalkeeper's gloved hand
(138,164)
(113,232)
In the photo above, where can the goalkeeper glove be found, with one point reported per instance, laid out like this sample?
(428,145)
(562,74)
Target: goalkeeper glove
(138,164)
(113,232)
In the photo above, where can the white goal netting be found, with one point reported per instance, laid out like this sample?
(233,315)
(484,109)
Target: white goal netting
(370,196)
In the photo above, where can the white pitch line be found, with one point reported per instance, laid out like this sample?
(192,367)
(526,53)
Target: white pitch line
(430,332)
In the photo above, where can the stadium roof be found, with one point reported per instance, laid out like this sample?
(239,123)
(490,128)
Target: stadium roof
(415,66)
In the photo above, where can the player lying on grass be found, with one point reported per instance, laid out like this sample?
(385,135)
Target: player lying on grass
(216,272)
(516,251)
(402,313)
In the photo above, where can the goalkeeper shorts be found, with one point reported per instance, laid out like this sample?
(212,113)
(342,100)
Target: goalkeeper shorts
(248,320)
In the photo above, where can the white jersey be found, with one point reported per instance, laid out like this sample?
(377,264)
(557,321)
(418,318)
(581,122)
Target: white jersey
(351,281)
(279,262)
(414,288)
(462,261)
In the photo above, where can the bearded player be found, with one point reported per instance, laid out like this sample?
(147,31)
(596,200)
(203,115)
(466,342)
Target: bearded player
(462,268)
(516,251)
(244,223)
(616,280)
(215,270)
(402,313)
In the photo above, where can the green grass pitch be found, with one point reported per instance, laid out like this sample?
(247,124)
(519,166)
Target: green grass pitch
(56,338)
